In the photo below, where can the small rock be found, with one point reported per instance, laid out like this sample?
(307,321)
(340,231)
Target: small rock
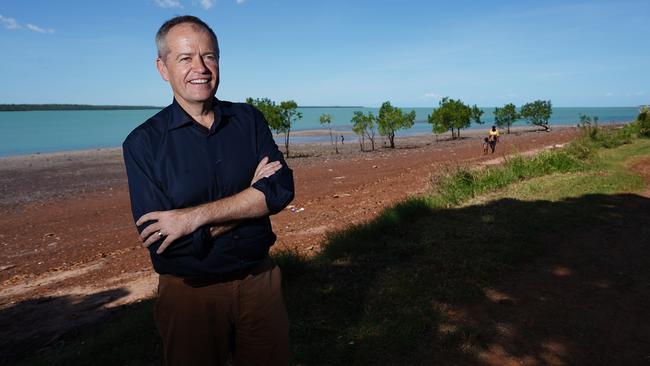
(47,235)
(9,266)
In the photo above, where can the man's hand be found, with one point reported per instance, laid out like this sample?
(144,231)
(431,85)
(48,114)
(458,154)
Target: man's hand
(171,224)
(174,224)
(265,169)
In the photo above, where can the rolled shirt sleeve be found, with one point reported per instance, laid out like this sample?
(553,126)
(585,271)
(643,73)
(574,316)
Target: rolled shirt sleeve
(146,196)
(278,189)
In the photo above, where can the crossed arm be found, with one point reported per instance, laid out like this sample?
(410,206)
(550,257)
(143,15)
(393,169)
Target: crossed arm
(222,214)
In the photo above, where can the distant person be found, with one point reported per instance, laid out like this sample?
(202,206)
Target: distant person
(486,144)
(342,139)
(493,138)
(204,175)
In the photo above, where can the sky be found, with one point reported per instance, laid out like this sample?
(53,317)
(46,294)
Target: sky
(337,52)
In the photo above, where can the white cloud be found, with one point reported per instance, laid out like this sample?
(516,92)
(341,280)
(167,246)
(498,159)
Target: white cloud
(168,3)
(9,23)
(207,4)
(639,93)
(38,29)
(609,94)
(241,1)
(431,95)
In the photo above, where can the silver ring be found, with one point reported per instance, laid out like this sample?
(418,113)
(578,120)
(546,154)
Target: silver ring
(160,234)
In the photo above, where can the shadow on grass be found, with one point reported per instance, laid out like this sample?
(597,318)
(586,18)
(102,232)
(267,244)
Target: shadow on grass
(508,281)
(51,324)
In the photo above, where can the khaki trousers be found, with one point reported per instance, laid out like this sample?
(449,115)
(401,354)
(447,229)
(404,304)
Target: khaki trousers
(243,320)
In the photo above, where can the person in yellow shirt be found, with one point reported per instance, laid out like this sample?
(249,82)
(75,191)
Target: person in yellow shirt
(493,138)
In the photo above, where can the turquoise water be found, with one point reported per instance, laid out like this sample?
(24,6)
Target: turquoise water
(49,131)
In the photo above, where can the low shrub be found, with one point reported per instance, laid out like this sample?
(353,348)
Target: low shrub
(464,183)
(643,122)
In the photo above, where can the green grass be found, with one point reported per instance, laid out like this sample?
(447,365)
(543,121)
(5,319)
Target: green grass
(465,184)
(607,174)
(378,292)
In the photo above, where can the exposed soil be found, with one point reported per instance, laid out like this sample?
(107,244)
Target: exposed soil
(66,231)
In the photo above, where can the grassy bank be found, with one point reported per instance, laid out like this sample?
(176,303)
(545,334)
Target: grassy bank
(384,292)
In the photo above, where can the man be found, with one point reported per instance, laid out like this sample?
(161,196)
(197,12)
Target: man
(493,138)
(204,175)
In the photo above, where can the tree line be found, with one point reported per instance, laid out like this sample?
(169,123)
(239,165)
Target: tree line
(451,115)
(454,114)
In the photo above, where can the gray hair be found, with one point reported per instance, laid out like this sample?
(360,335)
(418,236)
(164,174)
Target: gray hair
(161,35)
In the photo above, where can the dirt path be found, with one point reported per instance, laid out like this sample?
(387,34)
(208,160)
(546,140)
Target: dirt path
(67,239)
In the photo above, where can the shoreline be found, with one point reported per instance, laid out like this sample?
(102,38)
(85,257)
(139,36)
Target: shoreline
(36,178)
(297,138)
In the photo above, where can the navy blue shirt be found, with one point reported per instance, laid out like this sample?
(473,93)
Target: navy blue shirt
(174,162)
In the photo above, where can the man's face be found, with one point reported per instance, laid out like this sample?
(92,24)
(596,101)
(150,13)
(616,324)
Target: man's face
(191,65)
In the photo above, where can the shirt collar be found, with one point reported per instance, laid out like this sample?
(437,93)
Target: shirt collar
(179,117)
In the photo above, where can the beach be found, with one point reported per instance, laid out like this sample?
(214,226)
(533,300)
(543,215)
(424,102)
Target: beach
(67,235)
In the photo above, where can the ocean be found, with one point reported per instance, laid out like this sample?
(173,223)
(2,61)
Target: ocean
(32,132)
